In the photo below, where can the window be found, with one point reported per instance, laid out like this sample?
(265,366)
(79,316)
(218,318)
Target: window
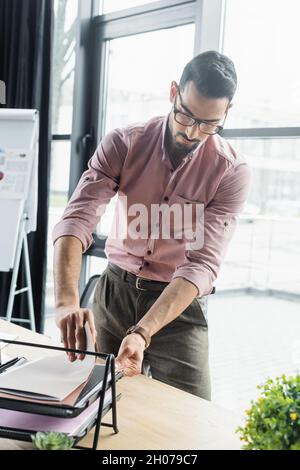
(265,252)
(63,65)
(141,91)
(275,167)
(62,109)
(261,37)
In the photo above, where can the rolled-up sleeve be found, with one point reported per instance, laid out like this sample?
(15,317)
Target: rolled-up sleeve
(97,185)
(201,266)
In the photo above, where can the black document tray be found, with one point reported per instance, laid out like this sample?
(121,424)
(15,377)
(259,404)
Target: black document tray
(65,411)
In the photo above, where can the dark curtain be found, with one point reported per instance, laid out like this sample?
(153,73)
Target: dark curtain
(26,31)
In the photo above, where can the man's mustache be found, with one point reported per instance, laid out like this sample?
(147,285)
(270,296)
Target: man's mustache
(194,141)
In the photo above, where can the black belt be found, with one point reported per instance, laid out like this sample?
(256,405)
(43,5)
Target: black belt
(139,282)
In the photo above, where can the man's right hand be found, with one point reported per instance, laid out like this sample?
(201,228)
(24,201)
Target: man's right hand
(71,324)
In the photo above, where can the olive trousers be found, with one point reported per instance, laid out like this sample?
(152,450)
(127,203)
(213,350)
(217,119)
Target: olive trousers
(178,354)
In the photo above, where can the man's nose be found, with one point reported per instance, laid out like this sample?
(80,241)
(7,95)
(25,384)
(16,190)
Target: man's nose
(193,132)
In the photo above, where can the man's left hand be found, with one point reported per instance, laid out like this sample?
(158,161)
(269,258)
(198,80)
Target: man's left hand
(130,355)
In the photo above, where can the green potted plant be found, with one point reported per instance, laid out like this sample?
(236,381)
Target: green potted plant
(52,441)
(273,421)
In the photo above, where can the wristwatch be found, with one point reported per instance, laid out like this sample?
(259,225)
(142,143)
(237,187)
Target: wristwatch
(141,331)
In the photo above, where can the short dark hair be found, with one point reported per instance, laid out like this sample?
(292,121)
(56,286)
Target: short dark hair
(213,74)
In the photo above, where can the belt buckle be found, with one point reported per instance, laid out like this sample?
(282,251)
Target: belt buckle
(137,283)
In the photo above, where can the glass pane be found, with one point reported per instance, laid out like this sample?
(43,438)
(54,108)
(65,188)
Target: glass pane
(96,266)
(265,251)
(108,6)
(264,254)
(275,176)
(141,91)
(262,39)
(63,65)
(59,185)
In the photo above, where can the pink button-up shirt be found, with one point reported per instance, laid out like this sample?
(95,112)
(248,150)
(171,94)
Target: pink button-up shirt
(133,162)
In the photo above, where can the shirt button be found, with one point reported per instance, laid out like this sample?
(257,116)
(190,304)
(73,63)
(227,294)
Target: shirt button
(166,198)
(149,252)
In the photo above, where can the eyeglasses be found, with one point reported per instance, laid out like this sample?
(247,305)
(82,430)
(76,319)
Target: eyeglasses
(186,120)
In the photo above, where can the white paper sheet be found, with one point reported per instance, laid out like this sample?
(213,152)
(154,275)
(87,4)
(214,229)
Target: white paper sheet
(3,356)
(6,336)
(53,376)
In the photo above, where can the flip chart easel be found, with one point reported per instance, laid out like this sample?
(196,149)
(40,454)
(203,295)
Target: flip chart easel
(19,131)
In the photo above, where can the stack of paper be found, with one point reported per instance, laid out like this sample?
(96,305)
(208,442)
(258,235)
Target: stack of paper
(50,378)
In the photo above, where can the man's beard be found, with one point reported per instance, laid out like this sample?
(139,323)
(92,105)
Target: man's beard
(181,148)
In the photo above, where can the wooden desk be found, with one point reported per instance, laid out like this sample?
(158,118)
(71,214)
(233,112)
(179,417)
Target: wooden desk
(151,415)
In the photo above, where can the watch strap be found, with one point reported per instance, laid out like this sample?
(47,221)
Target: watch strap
(140,330)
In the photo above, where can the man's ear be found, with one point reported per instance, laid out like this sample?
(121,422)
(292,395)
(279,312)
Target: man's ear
(230,105)
(173,91)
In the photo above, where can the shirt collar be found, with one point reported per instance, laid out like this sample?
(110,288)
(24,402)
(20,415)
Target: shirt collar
(163,132)
(164,153)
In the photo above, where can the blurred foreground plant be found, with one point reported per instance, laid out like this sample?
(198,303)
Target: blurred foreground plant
(52,441)
(273,421)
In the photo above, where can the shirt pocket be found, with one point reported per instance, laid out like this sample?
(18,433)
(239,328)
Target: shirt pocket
(191,225)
